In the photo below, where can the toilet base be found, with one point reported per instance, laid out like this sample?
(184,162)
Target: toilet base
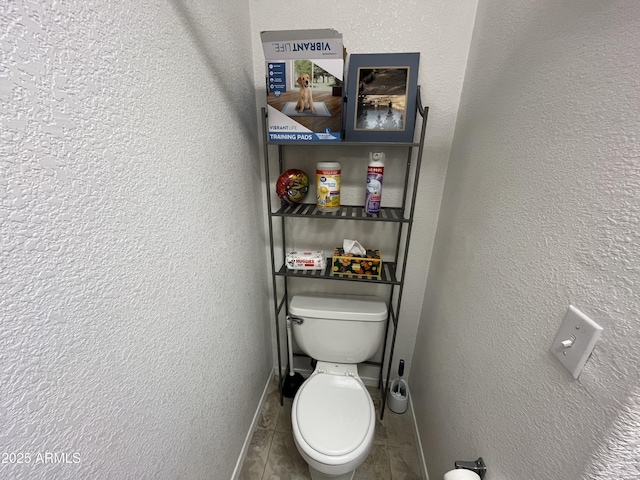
(317,475)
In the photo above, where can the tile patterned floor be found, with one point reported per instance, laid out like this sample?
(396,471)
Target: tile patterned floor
(272,454)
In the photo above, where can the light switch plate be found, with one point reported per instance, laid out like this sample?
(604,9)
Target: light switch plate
(575,340)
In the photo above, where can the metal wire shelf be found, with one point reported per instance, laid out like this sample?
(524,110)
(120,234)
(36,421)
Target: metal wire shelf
(387,276)
(393,272)
(346,212)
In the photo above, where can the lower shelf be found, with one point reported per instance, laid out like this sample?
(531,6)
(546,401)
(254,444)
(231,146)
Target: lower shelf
(388,274)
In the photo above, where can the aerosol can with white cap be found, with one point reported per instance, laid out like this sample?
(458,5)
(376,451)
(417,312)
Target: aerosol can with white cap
(375,173)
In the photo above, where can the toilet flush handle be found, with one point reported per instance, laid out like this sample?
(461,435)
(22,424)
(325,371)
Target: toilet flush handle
(478,466)
(296,320)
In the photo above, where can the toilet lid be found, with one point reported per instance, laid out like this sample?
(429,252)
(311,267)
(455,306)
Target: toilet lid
(318,403)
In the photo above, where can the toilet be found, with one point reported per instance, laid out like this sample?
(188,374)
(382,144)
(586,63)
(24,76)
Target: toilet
(332,416)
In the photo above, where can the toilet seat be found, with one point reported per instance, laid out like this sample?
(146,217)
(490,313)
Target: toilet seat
(334,419)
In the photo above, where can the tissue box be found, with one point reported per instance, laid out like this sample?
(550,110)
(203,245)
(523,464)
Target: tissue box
(305,70)
(350,264)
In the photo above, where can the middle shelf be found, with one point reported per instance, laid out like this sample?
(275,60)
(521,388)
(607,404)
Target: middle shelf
(346,212)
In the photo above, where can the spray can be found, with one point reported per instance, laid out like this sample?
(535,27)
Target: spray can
(328,186)
(375,173)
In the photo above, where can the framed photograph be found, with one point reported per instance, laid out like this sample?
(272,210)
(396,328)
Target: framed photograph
(381,97)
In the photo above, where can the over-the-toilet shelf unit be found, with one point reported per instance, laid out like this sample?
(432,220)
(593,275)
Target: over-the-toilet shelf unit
(393,273)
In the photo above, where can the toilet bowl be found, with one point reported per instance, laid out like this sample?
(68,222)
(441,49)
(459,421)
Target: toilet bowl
(333,420)
(332,415)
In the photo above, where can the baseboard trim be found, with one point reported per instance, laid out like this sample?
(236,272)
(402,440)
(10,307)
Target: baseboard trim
(254,423)
(421,459)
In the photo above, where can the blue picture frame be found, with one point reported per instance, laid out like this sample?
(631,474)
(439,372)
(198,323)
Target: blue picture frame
(381,97)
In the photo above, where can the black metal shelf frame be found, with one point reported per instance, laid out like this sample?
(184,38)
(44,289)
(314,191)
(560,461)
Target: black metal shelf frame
(391,274)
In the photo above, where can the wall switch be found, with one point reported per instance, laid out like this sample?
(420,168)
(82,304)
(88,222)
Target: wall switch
(575,340)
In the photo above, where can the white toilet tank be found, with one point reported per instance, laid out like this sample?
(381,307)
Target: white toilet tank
(339,328)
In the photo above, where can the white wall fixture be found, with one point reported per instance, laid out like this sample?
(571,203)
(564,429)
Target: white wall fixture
(575,340)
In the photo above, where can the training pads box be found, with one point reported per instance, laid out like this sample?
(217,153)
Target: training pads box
(297,113)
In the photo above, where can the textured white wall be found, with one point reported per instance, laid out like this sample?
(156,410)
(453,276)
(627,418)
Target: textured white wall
(541,209)
(619,456)
(441,31)
(133,301)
